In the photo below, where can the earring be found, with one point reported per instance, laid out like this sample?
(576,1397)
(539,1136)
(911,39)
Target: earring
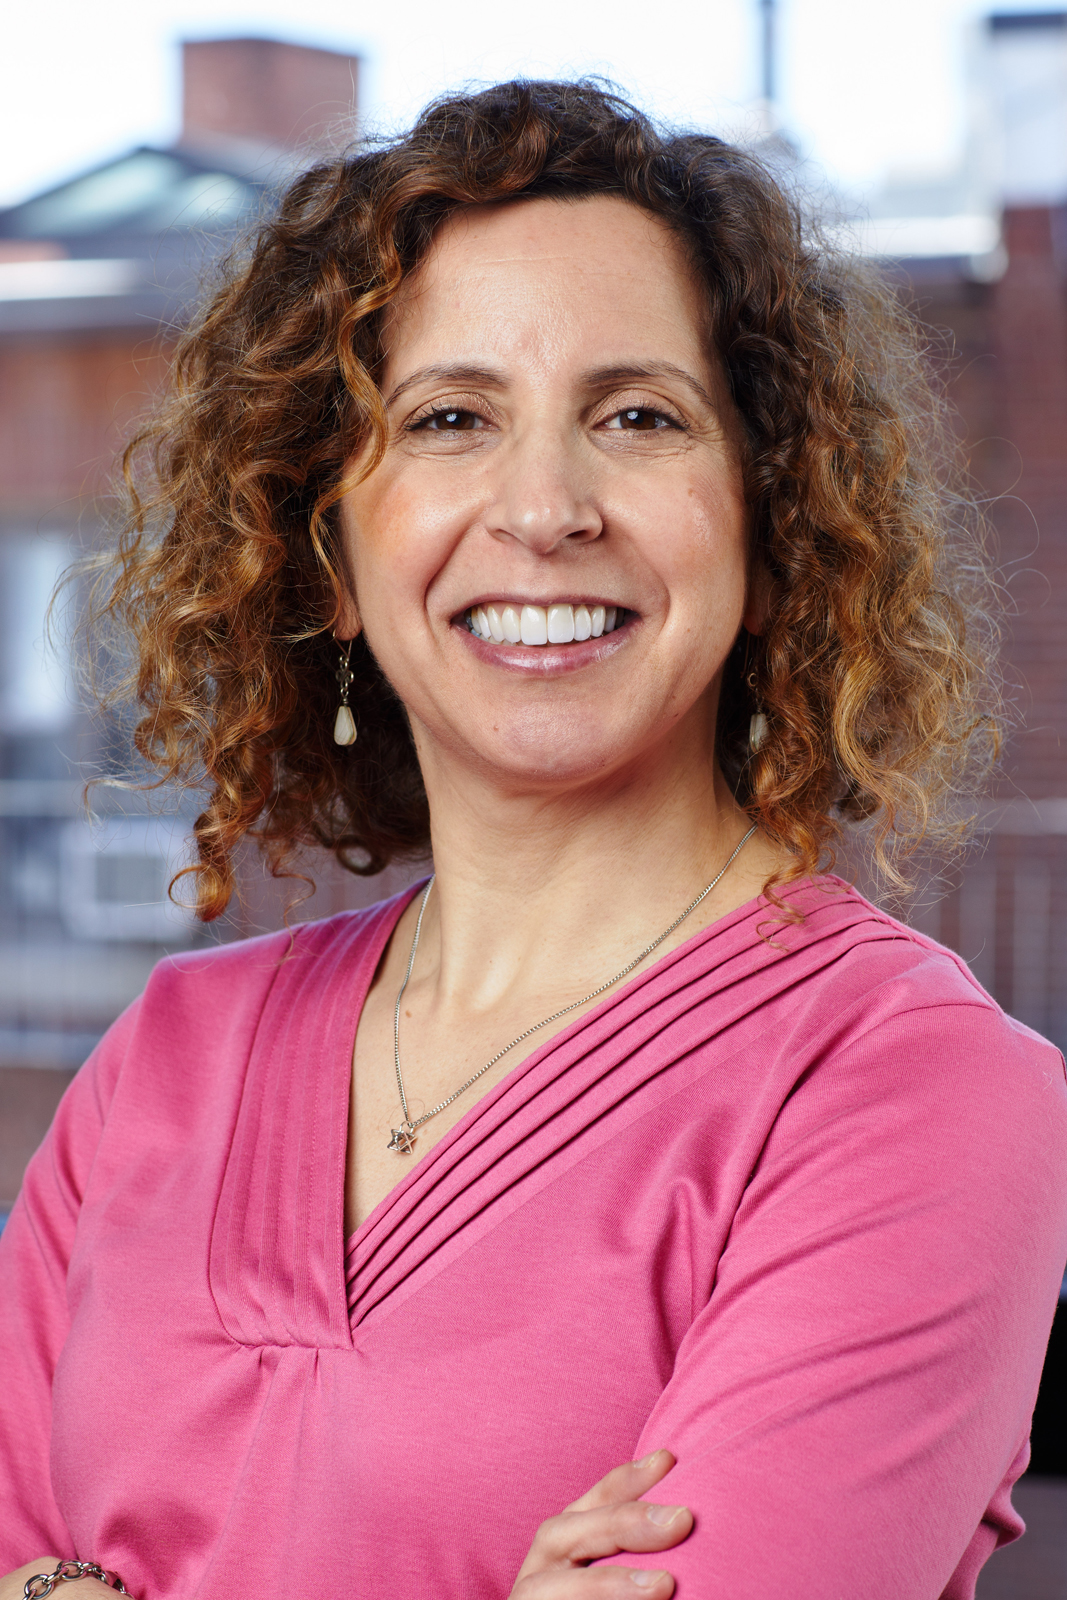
(757,722)
(344,724)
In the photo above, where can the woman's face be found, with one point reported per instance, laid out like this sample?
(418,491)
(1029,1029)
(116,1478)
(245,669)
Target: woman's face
(561,447)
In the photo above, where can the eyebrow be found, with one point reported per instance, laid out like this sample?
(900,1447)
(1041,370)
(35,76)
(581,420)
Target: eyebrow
(469,376)
(619,376)
(614,377)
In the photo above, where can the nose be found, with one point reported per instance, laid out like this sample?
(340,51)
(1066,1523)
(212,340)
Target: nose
(542,496)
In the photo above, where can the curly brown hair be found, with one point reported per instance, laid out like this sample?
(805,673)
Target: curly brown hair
(874,671)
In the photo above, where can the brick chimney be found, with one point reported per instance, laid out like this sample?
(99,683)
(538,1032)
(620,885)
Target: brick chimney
(261,90)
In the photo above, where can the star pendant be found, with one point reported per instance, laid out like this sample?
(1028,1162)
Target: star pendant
(403,1140)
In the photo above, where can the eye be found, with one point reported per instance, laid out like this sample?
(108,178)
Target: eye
(449,419)
(640,419)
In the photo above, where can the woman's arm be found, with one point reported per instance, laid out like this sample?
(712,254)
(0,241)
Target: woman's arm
(849,1407)
(12,1587)
(607,1521)
(35,1252)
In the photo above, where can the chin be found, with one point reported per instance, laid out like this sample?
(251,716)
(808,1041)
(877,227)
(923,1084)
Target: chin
(554,758)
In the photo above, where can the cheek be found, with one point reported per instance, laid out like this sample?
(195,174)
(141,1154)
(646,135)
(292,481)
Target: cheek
(705,567)
(390,542)
(698,537)
(719,523)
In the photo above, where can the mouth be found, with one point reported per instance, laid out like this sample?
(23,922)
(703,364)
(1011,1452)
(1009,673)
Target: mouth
(538,626)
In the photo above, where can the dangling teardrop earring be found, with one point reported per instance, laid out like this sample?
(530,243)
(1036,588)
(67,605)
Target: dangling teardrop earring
(344,724)
(757,722)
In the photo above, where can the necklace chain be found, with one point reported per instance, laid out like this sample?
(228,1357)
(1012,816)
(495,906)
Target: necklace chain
(403,1139)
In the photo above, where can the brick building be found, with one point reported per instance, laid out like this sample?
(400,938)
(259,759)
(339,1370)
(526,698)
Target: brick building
(1003,314)
(94,278)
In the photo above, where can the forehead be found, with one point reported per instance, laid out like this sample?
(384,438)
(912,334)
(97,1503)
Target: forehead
(596,269)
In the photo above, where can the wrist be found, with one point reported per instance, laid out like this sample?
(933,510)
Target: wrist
(47,1578)
(12,1583)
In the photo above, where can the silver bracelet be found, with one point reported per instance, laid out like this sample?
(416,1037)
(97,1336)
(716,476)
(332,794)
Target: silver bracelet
(43,1583)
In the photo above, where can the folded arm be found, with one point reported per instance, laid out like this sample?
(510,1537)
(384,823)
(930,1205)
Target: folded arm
(850,1408)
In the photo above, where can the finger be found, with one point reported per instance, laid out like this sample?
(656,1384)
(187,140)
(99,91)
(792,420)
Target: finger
(598,1583)
(576,1537)
(627,1482)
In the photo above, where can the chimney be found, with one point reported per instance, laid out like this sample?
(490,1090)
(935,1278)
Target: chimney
(1028,83)
(288,96)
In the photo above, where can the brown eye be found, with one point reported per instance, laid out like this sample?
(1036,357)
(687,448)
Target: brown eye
(640,419)
(451,420)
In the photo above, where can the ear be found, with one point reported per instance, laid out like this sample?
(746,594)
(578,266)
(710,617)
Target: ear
(349,623)
(758,599)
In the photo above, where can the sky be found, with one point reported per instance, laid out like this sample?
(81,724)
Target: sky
(868,88)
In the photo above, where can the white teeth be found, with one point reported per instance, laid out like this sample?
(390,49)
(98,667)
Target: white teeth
(537,625)
(560,624)
(534,624)
(509,621)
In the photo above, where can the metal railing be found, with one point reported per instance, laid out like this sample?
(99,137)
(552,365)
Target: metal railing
(1006,912)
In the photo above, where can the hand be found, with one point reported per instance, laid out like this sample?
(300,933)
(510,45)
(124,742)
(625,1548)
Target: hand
(12,1585)
(607,1520)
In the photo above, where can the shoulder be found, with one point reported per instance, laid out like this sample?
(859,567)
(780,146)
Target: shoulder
(886,1076)
(886,1012)
(192,1032)
(862,995)
(206,1003)
(862,957)
(244,970)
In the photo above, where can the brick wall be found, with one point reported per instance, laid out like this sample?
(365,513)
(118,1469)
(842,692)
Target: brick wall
(66,403)
(1009,347)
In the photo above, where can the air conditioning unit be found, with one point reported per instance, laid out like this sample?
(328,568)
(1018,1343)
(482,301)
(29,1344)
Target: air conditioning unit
(114,877)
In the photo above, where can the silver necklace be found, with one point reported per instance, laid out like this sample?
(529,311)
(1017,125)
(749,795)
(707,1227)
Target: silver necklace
(403,1140)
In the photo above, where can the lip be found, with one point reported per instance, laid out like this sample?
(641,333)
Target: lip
(527,600)
(546,660)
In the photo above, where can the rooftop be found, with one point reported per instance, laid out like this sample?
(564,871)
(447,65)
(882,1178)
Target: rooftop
(127,243)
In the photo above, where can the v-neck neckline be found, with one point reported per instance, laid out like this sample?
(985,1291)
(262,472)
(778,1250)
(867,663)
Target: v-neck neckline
(553,1041)
(283,1270)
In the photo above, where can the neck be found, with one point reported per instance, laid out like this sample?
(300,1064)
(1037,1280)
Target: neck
(546,893)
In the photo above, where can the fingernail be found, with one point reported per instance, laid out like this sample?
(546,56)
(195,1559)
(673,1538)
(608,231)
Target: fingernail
(646,1461)
(645,1580)
(663,1516)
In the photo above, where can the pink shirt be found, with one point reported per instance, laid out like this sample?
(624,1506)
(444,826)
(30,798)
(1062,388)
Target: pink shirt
(794,1209)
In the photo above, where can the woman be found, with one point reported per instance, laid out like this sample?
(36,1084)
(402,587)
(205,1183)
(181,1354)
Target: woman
(627,1151)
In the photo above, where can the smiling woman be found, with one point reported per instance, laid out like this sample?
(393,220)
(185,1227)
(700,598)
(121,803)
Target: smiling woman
(609,508)
(872,670)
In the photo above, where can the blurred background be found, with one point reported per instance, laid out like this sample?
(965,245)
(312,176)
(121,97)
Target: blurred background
(138,140)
